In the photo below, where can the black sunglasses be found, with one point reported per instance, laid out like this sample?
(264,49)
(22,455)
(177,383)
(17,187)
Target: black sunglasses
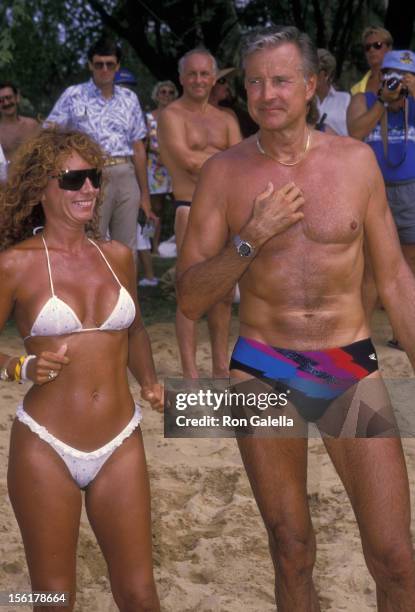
(8,98)
(376,45)
(101,65)
(72,180)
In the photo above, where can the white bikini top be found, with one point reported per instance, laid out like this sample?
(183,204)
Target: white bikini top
(57,318)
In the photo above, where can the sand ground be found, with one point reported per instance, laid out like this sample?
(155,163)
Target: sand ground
(210,546)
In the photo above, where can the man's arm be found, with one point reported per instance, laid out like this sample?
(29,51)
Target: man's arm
(171,136)
(394,279)
(60,113)
(140,165)
(140,357)
(209,265)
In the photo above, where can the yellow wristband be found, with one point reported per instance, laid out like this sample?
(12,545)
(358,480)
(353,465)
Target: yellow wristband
(18,368)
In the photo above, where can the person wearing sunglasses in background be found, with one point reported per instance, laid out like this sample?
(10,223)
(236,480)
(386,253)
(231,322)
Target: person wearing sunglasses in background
(376,42)
(223,98)
(74,302)
(112,116)
(14,128)
(386,121)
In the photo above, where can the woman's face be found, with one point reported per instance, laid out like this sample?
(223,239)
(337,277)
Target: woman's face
(165,95)
(72,191)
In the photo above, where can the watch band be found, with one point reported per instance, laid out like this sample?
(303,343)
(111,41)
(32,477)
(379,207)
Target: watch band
(243,247)
(381,100)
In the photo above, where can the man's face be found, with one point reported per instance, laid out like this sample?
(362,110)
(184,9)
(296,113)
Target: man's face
(8,102)
(103,69)
(375,48)
(322,81)
(276,88)
(198,76)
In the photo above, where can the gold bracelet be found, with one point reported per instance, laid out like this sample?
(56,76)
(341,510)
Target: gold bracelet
(18,368)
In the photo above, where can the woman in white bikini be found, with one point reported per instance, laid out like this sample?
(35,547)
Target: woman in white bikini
(74,302)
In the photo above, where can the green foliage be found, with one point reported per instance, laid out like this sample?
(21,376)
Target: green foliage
(43,43)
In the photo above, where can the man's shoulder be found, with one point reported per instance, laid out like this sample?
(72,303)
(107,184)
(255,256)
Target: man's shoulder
(174,112)
(344,148)
(79,89)
(29,122)
(126,94)
(175,108)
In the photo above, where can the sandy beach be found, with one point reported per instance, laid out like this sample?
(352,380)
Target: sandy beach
(210,546)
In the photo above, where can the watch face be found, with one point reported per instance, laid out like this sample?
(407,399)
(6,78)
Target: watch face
(244,249)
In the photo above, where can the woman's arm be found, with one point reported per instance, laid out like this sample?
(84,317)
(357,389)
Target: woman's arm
(40,367)
(140,357)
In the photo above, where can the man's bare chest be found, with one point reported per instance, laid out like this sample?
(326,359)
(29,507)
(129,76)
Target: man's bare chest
(203,132)
(11,136)
(334,207)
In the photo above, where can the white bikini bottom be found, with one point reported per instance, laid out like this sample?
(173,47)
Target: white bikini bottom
(83,466)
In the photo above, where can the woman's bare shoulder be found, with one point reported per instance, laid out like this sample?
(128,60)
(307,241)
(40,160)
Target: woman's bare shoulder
(116,251)
(17,256)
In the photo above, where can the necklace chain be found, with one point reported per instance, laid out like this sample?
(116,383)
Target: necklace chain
(294,163)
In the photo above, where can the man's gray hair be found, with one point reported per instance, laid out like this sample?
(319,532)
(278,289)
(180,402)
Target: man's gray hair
(198,51)
(270,38)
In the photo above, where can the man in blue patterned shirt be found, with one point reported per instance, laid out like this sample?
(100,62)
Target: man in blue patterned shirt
(112,116)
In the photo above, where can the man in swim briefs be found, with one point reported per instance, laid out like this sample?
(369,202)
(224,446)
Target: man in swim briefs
(191,130)
(285,214)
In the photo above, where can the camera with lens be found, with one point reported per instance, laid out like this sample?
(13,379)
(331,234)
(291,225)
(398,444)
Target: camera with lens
(392,83)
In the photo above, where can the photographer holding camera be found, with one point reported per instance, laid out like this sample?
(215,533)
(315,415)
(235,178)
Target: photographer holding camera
(386,121)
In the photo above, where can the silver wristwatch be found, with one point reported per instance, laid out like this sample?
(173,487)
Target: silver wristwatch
(244,248)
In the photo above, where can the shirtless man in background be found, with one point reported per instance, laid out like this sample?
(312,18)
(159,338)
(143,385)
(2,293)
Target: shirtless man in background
(285,214)
(14,129)
(191,130)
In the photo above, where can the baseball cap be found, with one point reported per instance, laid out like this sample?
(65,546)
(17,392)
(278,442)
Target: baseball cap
(124,76)
(399,60)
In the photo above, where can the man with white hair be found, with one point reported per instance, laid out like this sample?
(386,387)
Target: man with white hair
(190,131)
(286,213)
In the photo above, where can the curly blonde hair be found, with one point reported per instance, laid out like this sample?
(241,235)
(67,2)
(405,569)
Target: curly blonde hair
(35,162)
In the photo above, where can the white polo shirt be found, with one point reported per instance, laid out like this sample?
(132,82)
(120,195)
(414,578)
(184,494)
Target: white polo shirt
(335,106)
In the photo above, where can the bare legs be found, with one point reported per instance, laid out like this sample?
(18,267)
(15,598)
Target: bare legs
(277,472)
(374,474)
(47,504)
(157,206)
(219,318)
(146,263)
